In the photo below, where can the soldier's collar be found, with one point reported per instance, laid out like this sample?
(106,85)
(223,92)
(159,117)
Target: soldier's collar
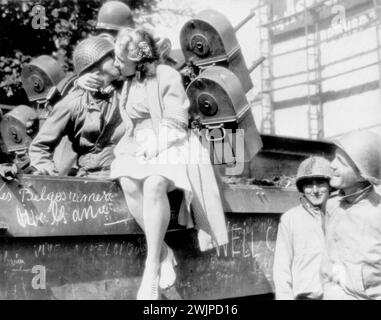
(313,210)
(356,196)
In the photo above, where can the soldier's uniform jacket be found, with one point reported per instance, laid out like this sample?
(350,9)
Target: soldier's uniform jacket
(351,264)
(92,124)
(298,252)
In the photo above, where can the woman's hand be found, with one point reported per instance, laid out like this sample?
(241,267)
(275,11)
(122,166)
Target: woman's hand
(90,81)
(148,150)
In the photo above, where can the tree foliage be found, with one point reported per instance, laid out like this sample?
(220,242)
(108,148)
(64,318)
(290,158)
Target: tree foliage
(67,22)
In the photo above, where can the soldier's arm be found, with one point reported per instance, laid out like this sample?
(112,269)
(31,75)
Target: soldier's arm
(283,262)
(43,145)
(90,81)
(369,271)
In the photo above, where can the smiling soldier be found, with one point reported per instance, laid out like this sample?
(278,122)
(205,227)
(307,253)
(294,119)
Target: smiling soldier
(351,264)
(300,240)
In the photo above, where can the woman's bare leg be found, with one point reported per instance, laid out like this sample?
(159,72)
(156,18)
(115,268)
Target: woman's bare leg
(156,216)
(133,193)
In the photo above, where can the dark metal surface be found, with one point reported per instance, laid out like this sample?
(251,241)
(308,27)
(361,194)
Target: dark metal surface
(218,88)
(43,206)
(80,232)
(254,199)
(13,128)
(209,39)
(105,267)
(281,156)
(38,206)
(41,74)
(297,146)
(217,97)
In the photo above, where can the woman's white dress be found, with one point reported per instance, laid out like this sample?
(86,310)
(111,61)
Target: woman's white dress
(171,163)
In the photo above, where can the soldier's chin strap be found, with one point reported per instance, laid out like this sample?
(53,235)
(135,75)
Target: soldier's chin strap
(310,207)
(357,195)
(314,210)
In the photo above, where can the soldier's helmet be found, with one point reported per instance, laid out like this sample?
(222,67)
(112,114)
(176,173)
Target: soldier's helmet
(114,15)
(89,52)
(313,167)
(364,149)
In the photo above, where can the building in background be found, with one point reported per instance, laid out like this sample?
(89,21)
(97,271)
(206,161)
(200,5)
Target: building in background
(324,67)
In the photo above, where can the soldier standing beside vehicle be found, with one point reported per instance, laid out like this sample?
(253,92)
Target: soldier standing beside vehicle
(300,239)
(91,120)
(351,264)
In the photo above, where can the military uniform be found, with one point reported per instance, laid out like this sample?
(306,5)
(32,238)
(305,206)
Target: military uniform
(93,125)
(299,247)
(351,265)
(300,239)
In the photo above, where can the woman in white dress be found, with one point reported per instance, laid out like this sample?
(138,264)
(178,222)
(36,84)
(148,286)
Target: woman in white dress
(159,154)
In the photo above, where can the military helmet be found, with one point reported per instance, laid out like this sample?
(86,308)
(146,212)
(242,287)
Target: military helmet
(114,15)
(364,149)
(90,51)
(313,167)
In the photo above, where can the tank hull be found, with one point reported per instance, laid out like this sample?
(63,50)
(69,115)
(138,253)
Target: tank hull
(73,238)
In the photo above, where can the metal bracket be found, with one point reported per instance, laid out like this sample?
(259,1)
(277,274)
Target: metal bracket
(211,128)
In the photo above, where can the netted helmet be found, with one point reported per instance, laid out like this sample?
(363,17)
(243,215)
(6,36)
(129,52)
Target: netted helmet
(114,15)
(90,51)
(364,149)
(313,167)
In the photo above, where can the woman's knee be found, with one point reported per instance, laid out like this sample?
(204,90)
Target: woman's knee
(130,187)
(155,186)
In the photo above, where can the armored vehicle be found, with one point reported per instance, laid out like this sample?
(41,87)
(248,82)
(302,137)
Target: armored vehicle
(73,238)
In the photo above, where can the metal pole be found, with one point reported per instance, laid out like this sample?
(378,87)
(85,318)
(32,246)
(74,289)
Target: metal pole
(244,21)
(256,64)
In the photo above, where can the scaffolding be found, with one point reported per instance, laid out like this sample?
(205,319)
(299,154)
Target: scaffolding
(313,71)
(312,27)
(267,125)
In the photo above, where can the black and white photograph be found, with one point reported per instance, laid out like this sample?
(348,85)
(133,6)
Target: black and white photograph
(210,150)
